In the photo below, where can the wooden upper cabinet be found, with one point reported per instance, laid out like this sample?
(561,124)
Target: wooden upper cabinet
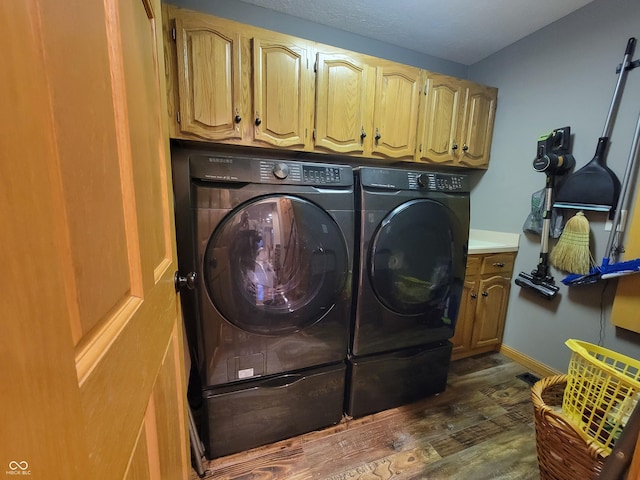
(441,115)
(365,106)
(395,115)
(282,93)
(477,130)
(209,79)
(343,90)
(456,122)
(237,84)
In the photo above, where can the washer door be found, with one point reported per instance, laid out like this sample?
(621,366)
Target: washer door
(275,265)
(413,257)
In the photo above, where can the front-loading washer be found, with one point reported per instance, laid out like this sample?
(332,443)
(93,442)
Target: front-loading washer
(271,243)
(413,232)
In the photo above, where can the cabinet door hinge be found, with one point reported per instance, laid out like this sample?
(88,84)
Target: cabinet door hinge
(315,67)
(178,116)
(313,133)
(173,34)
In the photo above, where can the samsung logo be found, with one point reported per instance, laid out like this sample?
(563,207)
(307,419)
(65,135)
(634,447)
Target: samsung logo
(220,160)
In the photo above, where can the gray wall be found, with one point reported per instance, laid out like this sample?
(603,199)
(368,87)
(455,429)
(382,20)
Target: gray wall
(278,22)
(562,75)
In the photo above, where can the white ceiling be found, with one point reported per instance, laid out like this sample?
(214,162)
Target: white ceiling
(462,31)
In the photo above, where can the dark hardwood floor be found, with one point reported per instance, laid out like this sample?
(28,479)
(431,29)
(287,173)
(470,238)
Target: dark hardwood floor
(480,427)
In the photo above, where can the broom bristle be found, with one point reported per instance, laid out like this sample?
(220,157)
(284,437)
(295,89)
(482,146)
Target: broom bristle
(571,253)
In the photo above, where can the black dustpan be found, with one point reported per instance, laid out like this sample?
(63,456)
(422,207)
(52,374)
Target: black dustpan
(592,187)
(595,186)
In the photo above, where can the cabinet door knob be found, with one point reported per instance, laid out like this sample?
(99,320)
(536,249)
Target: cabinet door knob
(498,264)
(363,134)
(258,121)
(237,119)
(485,294)
(465,147)
(474,295)
(378,135)
(454,146)
(182,281)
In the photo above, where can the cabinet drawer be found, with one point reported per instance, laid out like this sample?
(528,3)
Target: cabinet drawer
(473,265)
(497,263)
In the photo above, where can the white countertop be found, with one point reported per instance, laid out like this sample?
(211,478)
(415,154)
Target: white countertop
(486,241)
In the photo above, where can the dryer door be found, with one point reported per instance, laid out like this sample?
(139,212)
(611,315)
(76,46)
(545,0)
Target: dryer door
(416,257)
(275,265)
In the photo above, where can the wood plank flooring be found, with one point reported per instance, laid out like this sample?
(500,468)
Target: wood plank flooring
(479,428)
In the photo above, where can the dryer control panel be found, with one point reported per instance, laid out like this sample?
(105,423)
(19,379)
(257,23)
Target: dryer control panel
(438,182)
(398,179)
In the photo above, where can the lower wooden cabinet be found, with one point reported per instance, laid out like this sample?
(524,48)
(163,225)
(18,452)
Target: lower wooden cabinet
(483,309)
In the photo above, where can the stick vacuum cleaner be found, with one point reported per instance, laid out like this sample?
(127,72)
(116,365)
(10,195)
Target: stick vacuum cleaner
(553,159)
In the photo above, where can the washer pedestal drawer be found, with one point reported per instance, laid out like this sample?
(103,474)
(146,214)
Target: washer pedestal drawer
(380,382)
(263,411)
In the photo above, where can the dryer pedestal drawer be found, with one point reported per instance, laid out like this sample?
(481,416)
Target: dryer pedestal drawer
(263,411)
(389,380)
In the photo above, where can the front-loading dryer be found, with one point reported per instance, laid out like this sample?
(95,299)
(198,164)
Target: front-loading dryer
(271,242)
(413,235)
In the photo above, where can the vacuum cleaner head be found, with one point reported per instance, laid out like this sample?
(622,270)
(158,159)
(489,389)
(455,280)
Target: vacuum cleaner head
(544,288)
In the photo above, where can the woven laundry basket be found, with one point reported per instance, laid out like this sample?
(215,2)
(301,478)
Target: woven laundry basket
(563,454)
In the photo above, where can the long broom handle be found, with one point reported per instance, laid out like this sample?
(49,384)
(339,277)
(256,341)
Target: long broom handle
(615,101)
(612,251)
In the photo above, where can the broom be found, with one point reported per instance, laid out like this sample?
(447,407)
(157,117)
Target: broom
(571,253)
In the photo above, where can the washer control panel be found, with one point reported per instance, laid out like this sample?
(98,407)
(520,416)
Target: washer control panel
(233,169)
(304,173)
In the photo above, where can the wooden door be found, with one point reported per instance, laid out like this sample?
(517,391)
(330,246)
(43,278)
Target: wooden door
(209,78)
(478,125)
(440,119)
(395,116)
(490,315)
(91,349)
(343,95)
(282,94)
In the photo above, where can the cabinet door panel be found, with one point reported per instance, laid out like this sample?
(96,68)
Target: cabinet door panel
(478,126)
(341,100)
(281,93)
(208,79)
(464,324)
(396,111)
(441,116)
(489,325)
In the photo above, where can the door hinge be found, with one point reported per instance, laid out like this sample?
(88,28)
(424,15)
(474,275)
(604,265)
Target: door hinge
(313,133)
(178,116)
(173,34)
